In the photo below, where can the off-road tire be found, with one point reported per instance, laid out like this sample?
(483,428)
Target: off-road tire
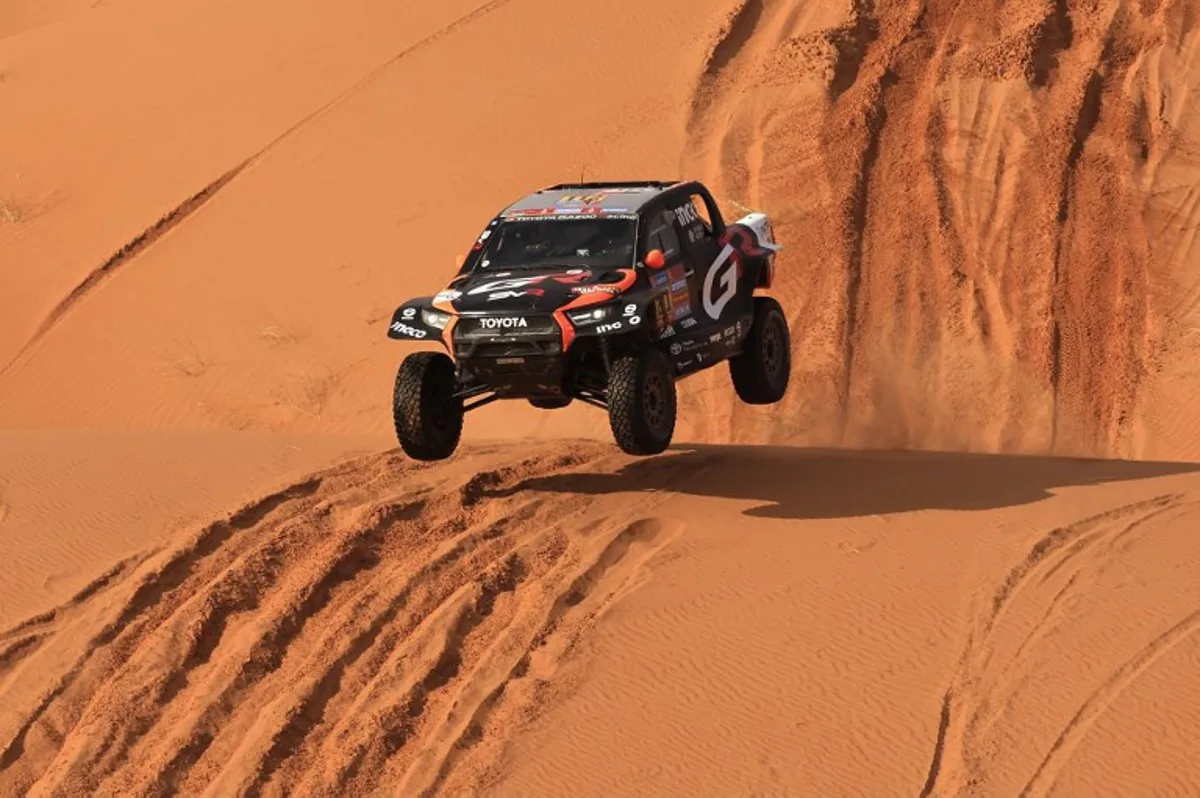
(642,402)
(551,404)
(762,370)
(427,418)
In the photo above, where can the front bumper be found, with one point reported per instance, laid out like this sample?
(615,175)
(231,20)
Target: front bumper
(514,362)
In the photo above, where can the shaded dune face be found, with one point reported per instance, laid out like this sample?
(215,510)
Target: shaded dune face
(982,212)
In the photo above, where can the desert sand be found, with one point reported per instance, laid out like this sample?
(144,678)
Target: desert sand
(958,559)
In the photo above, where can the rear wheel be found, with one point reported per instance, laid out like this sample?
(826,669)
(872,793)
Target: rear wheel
(762,370)
(427,416)
(641,403)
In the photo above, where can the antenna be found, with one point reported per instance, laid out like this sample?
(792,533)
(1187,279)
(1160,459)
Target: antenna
(582,169)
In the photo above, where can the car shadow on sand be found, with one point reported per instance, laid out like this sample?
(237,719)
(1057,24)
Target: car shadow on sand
(796,483)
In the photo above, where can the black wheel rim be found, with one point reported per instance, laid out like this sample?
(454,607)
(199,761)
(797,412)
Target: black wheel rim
(774,357)
(654,401)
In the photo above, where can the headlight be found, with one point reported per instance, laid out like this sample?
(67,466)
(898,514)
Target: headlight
(434,319)
(591,315)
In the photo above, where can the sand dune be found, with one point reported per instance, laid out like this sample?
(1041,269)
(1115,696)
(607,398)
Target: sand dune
(209,209)
(965,170)
(74,501)
(383,625)
(314,637)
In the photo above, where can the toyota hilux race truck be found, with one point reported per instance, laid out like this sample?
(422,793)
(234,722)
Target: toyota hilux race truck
(606,293)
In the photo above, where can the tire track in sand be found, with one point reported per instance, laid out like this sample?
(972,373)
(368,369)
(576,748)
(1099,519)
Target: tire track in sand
(192,205)
(1060,753)
(374,625)
(1060,569)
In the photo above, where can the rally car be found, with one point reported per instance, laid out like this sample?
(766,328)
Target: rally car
(606,293)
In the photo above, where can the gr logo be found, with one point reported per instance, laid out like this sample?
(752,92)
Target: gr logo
(722,273)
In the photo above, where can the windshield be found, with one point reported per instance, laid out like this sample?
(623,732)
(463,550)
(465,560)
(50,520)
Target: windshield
(545,243)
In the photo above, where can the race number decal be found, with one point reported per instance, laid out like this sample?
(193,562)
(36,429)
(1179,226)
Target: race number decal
(725,270)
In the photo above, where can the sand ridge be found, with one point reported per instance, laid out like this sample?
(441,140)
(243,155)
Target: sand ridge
(347,632)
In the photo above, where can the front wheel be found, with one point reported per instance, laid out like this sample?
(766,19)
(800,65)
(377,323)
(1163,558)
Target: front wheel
(427,415)
(641,403)
(762,370)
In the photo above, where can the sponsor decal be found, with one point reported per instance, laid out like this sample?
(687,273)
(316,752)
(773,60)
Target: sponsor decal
(403,329)
(725,269)
(581,199)
(515,294)
(714,338)
(681,312)
(573,277)
(675,303)
(447,296)
(686,346)
(503,322)
(630,310)
(688,323)
(686,214)
(509,361)
(595,289)
(611,327)
(495,286)
(662,310)
(569,214)
(667,332)
(409,313)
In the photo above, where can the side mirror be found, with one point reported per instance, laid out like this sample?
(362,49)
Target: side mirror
(654,259)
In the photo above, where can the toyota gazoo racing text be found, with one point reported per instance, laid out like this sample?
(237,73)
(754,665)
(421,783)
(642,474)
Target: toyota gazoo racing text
(607,293)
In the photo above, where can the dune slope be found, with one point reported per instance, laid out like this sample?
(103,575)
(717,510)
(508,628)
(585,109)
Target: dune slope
(992,247)
(351,631)
(383,626)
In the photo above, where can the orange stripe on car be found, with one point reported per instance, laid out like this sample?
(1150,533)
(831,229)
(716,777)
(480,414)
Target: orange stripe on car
(568,332)
(596,297)
(448,334)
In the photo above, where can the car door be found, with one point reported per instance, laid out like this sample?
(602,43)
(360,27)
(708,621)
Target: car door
(674,301)
(714,272)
